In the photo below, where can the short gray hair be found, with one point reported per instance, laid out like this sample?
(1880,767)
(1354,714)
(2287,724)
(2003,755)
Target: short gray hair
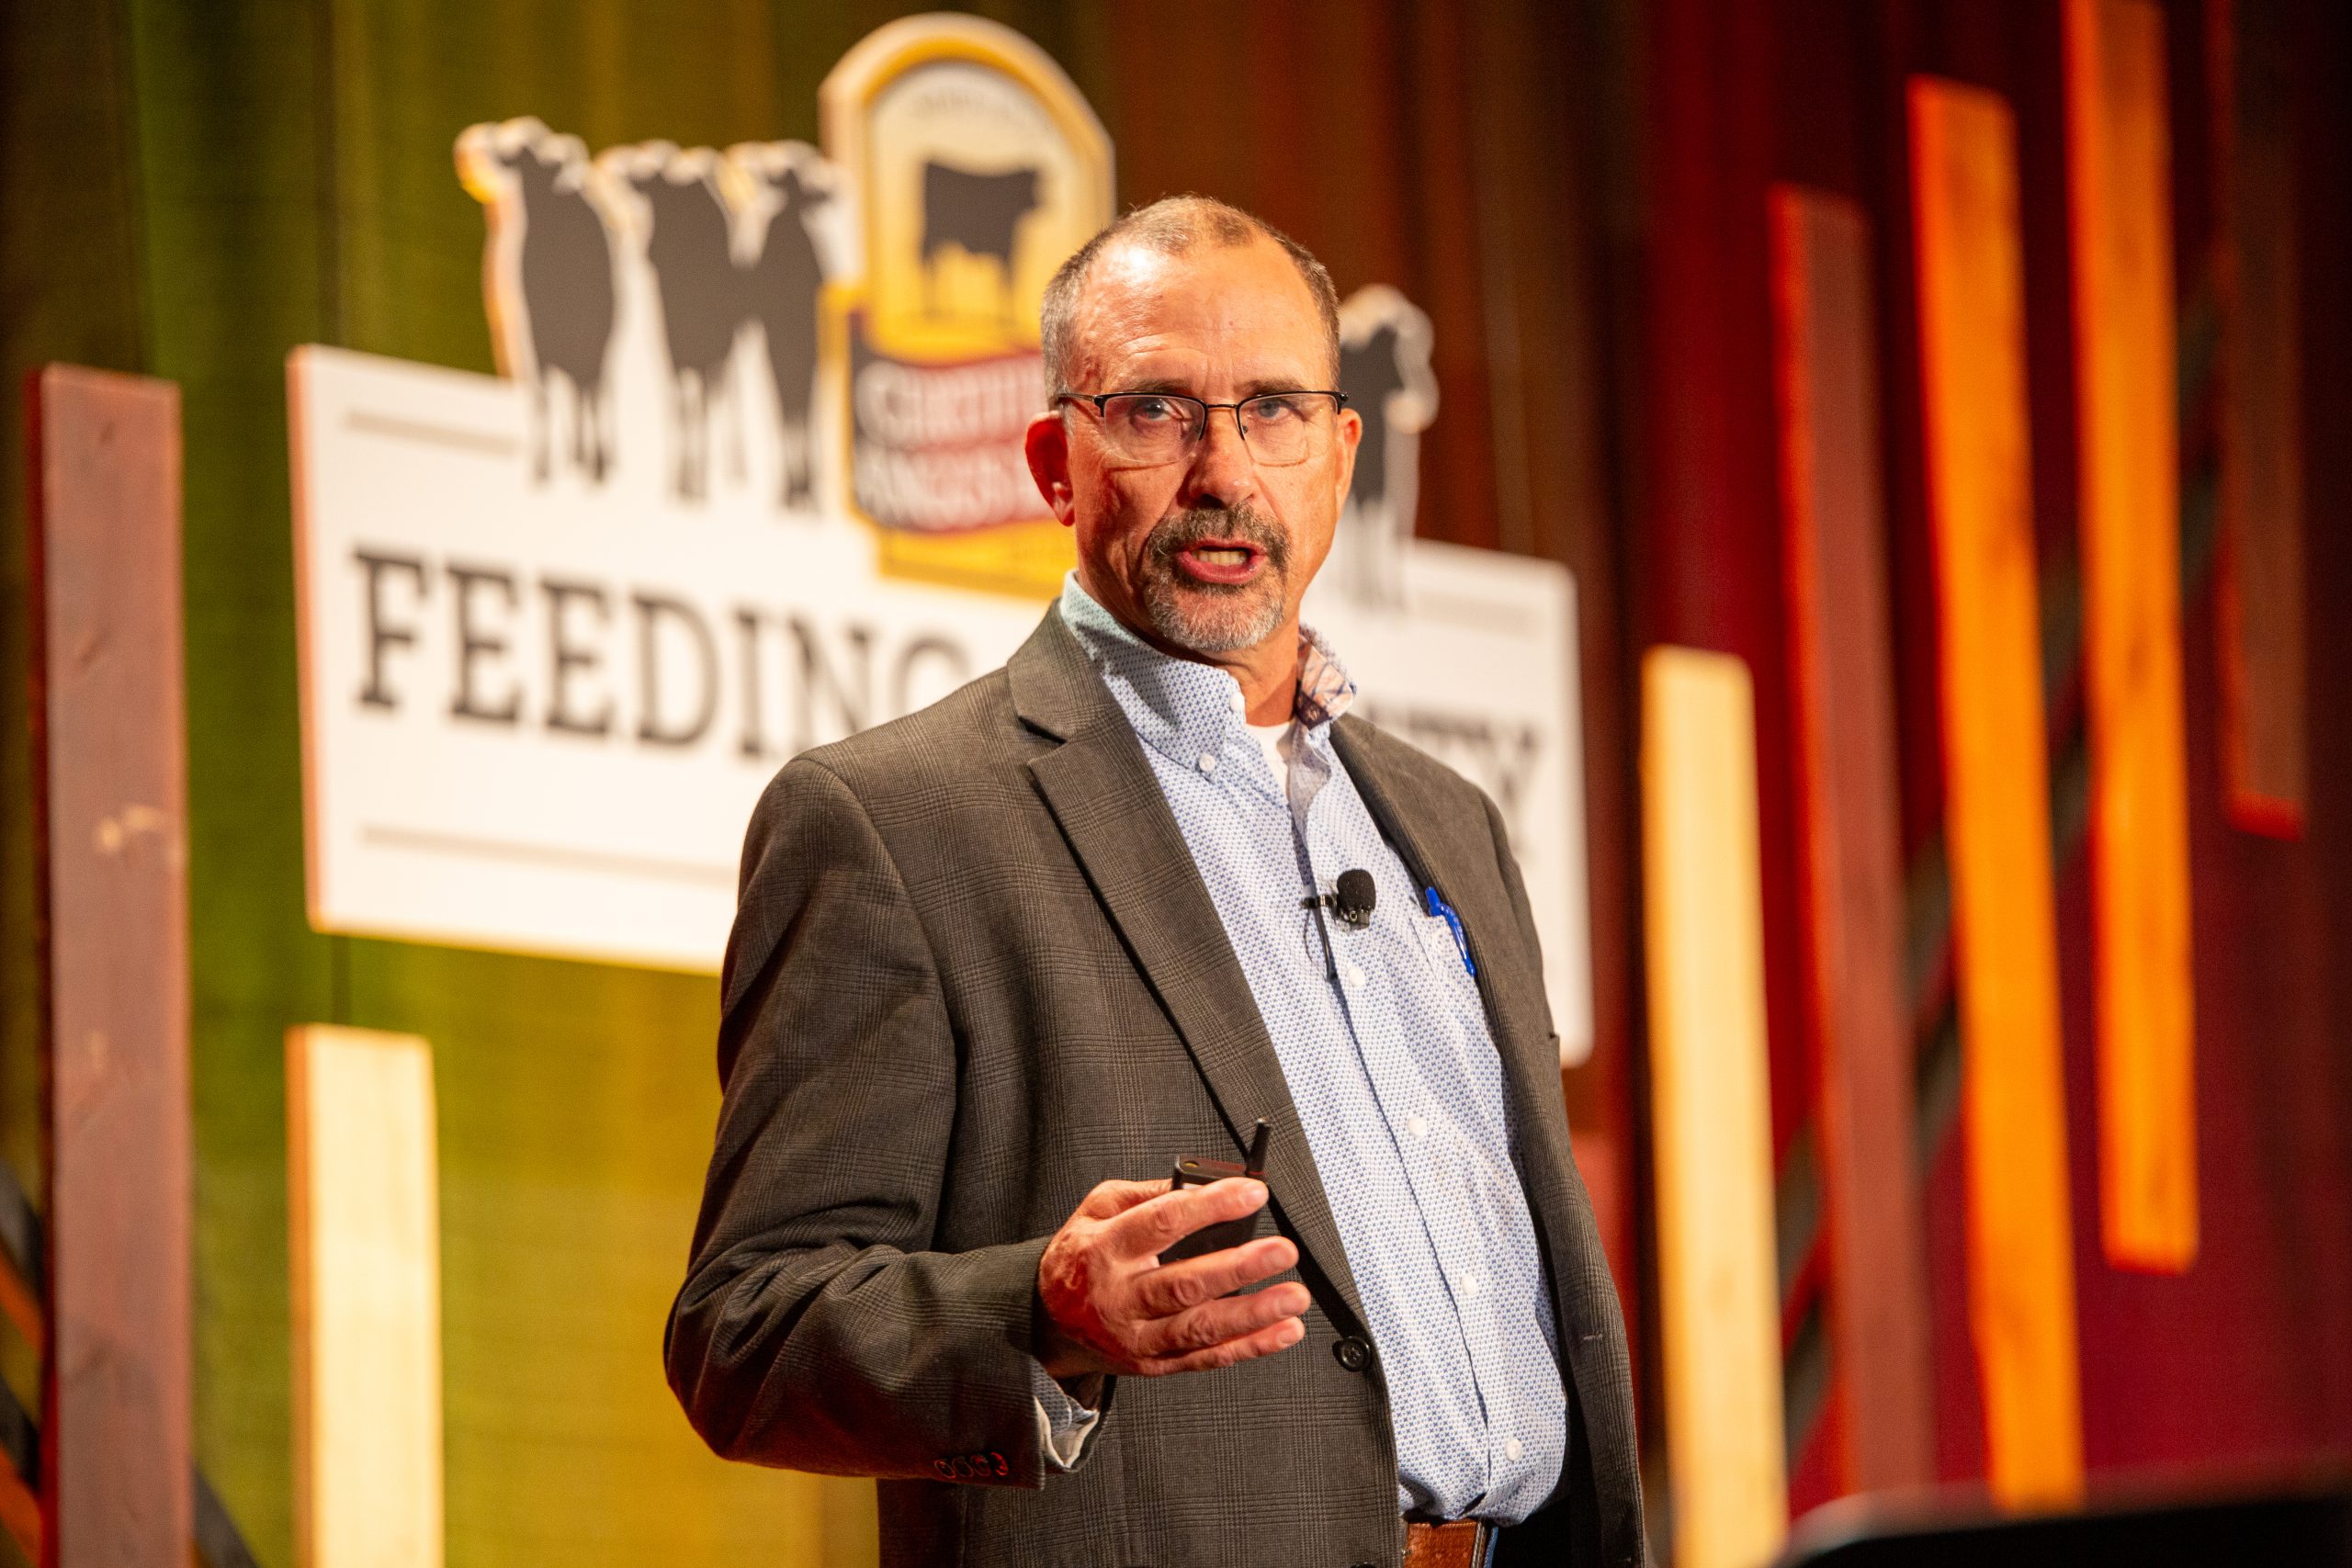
(1172,226)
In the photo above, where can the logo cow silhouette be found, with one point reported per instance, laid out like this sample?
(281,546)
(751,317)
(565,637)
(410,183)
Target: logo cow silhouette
(650,259)
(782,286)
(690,245)
(978,214)
(1384,370)
(549,250)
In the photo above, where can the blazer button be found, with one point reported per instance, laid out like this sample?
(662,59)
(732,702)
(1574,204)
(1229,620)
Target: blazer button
(962,1466)
(1353,1353)
(941,1466)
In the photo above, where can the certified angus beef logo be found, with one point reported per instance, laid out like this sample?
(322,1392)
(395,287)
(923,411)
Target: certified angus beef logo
(980,168)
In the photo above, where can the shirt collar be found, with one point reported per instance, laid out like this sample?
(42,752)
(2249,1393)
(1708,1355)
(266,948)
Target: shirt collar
(1184,707)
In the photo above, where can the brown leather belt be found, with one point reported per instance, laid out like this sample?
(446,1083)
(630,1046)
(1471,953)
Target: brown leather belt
(1459,1544)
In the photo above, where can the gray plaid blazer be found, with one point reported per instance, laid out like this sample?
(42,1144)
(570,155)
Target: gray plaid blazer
(974,972)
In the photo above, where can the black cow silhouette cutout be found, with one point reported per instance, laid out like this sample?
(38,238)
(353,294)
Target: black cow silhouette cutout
(780,291)
(1384,370)
(1369,374)
(693,258)
(567,304)
(978,215)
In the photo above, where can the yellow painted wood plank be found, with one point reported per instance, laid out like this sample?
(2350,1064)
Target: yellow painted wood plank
(1972,365)
(2126,366)
(1718,1289)
(364,1213)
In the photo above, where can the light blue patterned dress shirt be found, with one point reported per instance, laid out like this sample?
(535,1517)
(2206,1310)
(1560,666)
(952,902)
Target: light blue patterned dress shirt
(1391,1068)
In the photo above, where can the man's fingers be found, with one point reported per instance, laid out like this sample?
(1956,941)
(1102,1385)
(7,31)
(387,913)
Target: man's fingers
(1275,1337)
(1214,1323)
(1110,1199)
(1153,1226)
(1173,1287)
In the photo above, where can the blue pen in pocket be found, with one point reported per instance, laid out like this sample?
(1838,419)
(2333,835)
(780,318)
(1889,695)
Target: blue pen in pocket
(1440,909)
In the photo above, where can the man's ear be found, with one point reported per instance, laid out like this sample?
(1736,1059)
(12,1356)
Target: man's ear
(1351,435)
(1046,445)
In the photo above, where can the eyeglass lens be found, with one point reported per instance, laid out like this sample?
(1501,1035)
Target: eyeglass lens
(1281,427)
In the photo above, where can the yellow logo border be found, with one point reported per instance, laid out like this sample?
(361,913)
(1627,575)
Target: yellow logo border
(1023,559)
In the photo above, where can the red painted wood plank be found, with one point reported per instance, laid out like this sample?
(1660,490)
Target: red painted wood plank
(20,1513)
(2260,582)
(111,814)
(1851,867)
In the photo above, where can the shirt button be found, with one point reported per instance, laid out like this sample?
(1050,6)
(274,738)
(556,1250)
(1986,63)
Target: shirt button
(1470,1288)
(1239,705)
(1354,978)
(1513,1449)
(1417,1125)
(1209,762)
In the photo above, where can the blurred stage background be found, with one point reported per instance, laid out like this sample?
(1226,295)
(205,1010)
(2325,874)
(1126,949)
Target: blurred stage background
(1582,196)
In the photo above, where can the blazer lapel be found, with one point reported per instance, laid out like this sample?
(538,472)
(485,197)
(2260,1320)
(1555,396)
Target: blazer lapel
(1458,862)
(1456,855)
(1100,789)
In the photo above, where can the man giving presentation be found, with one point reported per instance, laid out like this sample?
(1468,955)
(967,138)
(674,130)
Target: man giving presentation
(998,965)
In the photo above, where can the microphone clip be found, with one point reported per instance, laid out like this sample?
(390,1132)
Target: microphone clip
(1353,901)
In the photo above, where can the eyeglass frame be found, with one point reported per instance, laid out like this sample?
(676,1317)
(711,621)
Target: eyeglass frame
(1339,404)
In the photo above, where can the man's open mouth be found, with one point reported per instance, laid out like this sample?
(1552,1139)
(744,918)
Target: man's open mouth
(1220,561)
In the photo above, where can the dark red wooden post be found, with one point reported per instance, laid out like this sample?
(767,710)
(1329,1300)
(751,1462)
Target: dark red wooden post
(1850,870)
(111,821)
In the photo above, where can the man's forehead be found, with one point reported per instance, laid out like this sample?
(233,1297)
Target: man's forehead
(1223,299)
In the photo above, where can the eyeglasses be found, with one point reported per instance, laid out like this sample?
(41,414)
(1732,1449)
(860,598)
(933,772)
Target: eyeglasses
(1164,427)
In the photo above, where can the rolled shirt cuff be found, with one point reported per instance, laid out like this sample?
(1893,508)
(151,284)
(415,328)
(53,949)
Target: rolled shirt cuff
(1064,1426)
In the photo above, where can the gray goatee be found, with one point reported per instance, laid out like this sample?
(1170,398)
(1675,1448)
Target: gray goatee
(1215,618)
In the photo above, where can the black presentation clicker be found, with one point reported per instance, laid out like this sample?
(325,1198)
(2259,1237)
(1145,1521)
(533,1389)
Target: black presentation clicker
(1191,1172)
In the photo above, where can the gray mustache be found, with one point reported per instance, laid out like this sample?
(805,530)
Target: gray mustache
(1189,528)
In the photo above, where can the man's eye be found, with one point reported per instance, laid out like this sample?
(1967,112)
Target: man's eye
(1276,411)
(1152,411)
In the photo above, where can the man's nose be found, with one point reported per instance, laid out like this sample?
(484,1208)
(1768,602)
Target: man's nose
(1223,473)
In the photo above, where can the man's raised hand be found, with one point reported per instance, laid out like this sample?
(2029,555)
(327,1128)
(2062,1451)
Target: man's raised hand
(1112,1306)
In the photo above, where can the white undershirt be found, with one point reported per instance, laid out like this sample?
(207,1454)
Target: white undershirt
(1277,740)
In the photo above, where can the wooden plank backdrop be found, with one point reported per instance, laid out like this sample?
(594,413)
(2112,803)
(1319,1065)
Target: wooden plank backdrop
(110,774)
(236,188)
(1850,873)
(1972,360)
(293,184)
(363,1221)
(1718,1296)
(2127,365)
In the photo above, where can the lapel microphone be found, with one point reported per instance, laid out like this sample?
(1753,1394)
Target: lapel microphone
(1353,900)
